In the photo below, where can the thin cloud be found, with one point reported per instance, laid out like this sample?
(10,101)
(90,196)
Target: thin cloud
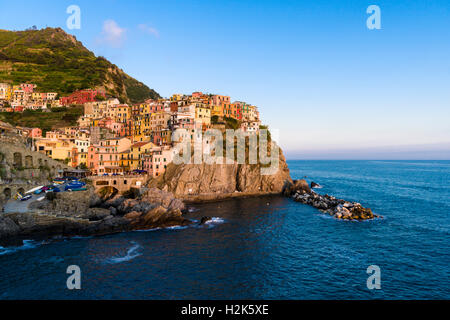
(112,34)
(149,30)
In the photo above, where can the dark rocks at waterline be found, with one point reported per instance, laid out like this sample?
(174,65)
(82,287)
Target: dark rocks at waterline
(337,208)
(86,214)
(204,220)
(290,189)
(315,185)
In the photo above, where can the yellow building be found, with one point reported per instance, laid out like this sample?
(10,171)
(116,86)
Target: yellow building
(5,91)
(119,113)
(216,111)
(62,150)
(202,114)
(36,96)
(133,159)
(176,97)
(137,129)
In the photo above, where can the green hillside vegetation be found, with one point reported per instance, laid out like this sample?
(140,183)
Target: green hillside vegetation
(56,62)
(230,123)
(56,118)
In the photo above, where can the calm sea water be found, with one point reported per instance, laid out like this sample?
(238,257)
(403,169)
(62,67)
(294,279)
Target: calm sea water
(266,248)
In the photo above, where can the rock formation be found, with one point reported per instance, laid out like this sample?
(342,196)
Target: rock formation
(338,208)
(315,185)
(87,213)
(203,182)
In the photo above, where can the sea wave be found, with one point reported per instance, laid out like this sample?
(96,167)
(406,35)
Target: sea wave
(148,230)
(132,253)
(214,221)
(177,228)
(27,244)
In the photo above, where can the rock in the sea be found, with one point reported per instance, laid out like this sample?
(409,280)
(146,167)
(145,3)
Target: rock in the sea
(338,208)
(297,186)
(204,220)
(315,185)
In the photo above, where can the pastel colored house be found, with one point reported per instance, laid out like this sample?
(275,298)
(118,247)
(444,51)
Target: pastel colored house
(36,133)
(105,157)
(133,160)
(155,161)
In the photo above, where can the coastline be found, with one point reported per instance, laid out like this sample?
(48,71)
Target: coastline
(114,213)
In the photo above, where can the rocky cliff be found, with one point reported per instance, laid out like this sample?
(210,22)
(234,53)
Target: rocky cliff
(203,182)
(86,213)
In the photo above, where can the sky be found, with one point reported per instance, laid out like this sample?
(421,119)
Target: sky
(330,86)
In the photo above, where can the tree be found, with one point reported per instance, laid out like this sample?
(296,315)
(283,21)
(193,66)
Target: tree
(100,98)
(83,166)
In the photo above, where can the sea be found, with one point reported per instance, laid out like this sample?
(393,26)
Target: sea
(266,247)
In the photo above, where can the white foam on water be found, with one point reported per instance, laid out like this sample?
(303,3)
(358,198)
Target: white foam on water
(214,221)
(148,230)
(131,254)
(27,244)
(176,228)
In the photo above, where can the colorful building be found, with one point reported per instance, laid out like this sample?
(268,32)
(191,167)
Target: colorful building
(82,96)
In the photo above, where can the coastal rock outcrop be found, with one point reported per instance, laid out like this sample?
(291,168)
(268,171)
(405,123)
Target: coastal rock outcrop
(296,186)
(204,220)
(203,182)
(338,208)
(87,213)
(315,185)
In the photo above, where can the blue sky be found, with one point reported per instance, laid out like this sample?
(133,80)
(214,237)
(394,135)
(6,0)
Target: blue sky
(329,85)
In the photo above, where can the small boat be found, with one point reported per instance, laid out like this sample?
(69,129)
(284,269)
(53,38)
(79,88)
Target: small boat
(51,189)
(56,189)
(39,191)
(74,185)
(77,189)
(18,196)
(28,197)
(40,199)
(33,190)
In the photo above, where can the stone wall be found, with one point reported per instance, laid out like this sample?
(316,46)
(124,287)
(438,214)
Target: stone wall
(22,168)
(121,183)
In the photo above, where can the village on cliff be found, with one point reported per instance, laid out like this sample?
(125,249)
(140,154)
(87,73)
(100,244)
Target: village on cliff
(111,138)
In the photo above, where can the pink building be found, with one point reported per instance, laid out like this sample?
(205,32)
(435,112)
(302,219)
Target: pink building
(218,100)
(35,133)
(27,87)
(105,157)
(82,96)
(197,94)
(156,161)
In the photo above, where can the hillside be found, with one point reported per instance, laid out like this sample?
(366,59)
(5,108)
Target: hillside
(56,62)
(58,117)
